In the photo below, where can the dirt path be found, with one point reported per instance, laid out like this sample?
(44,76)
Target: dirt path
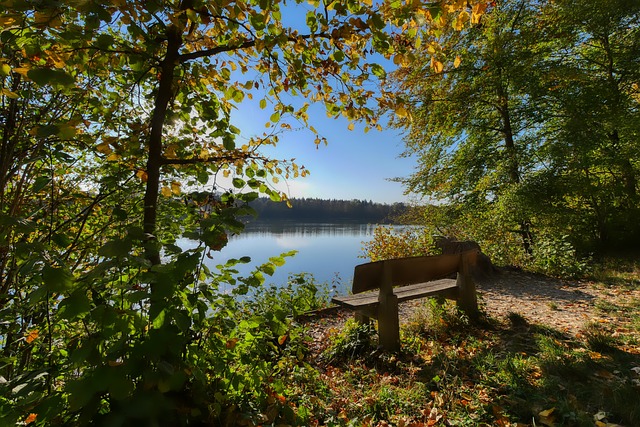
(566,306)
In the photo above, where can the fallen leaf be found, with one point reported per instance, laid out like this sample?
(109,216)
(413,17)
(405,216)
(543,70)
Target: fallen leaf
(547,418)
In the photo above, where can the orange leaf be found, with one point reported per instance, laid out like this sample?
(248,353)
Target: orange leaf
(142,175)
(32,336)
(31,418)
(282,339)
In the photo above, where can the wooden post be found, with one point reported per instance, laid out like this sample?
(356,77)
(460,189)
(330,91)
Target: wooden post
(467,298)
(388,323)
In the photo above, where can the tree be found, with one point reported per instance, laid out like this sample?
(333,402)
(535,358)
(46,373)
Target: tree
(109,110)
(519,133)
(470,121)
(591,95)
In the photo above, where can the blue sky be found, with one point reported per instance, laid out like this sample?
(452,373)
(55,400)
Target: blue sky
(353,165)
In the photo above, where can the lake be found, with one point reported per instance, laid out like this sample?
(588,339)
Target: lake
(327,251)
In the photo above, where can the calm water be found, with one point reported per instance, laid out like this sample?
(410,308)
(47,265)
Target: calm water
(327,251)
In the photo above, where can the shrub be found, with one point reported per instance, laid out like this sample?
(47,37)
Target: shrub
(556,256)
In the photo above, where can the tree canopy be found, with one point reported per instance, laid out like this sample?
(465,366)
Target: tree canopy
(529,133)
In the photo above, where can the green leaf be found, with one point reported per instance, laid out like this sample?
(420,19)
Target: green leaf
(257,21)
(56,279)
(159,319)
(40,183)
(228,143)
(115,248)
(46,76)
(238,182)
(77,305)
(378,71)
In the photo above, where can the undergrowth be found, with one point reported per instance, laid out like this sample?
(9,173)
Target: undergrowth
(453,372)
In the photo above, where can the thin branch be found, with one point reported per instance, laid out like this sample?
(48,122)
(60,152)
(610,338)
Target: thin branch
(245,45)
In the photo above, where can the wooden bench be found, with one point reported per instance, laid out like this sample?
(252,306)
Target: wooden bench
(404,279)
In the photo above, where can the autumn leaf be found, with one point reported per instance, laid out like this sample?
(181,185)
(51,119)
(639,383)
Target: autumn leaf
(546,417)
(175,188)
(32,336)
(142,175)
(401,112)
(30,419)
(165,191)
(457,61)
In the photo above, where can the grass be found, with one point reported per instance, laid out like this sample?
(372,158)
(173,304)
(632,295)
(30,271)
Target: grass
(452,372)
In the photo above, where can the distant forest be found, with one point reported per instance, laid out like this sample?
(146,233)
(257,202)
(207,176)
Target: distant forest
(321,210)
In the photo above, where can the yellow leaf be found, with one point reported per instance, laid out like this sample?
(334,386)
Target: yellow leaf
(7,20)
(351,126)
(457,61)
(175,187)
(226,173)
(112,157)
(547,412)
(5,69)
(401,112)
(22,71)
(165,191)
(461,19)
(438,67)
(9,94)
(398,59)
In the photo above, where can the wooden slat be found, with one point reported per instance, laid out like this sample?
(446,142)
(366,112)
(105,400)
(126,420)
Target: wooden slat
(446,287)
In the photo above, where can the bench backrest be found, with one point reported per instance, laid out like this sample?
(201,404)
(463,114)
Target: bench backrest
(406,271)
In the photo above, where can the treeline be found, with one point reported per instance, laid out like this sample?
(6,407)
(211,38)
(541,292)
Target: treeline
(322,210)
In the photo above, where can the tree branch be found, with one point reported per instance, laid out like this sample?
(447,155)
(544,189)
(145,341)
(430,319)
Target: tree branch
(245,45)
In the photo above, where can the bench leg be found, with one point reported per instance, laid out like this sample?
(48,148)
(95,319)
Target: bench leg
(388,323)
(467,298)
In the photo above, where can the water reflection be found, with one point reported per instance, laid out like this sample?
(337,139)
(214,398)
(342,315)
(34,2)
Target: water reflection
(329,252)
(298,230)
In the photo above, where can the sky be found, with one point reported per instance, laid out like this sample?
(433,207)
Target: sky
(353,165)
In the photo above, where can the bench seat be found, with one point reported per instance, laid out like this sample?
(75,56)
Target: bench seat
(445,287)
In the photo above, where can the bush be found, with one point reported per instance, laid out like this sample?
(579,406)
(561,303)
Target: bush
(556,256)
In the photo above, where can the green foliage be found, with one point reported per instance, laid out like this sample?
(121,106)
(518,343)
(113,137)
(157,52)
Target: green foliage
(389,242)
(555,256)
(355,340)
(533,131)
(438,319)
